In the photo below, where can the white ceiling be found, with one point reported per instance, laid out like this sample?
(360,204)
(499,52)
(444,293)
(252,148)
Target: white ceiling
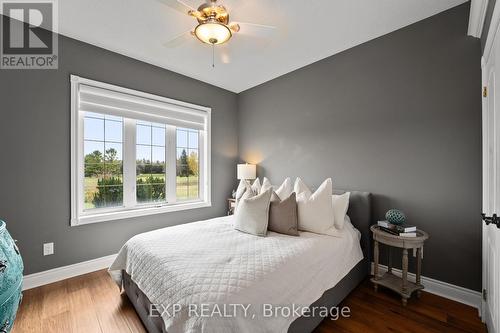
(307,31)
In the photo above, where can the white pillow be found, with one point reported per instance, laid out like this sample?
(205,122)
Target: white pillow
(244,186)
(348,231)
(283,191)
(256,187)
(300,186)
(241,189)
(266,185)
(252,215)
(315,211)
(340,206)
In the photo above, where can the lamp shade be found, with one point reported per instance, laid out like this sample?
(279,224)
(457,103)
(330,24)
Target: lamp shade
(213,33)
(246,171)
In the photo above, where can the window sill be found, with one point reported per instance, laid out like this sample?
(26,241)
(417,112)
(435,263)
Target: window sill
(125,214)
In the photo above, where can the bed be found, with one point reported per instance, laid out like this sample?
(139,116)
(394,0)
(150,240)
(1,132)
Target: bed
(208,265)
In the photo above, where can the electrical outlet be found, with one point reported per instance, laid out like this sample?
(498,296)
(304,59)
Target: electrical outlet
(48,249)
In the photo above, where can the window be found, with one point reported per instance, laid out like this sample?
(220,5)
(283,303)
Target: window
(151,167)
(135,154)
(187,164)
(103,171)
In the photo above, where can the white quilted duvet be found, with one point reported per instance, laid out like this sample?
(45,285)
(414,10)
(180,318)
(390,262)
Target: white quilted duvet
(209,265)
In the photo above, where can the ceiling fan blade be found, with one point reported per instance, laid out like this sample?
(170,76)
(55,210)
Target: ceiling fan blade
(178,5)
(253,29)
(179,40)
(235,27)
(224,55)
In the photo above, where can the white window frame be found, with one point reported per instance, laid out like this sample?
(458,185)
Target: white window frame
(130,207)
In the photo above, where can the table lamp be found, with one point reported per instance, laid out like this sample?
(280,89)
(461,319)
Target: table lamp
(246,171)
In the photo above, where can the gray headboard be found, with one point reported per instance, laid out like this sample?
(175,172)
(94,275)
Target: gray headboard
(360,212)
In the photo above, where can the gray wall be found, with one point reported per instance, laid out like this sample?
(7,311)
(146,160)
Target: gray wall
(35,151)
(399,116)
(487,22)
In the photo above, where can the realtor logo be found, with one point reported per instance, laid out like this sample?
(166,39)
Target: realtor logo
(29,34)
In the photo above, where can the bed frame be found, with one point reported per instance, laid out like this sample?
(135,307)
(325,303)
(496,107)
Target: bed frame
(360,212)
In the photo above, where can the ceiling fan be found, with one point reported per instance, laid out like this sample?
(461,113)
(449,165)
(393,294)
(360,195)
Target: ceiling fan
(213,25)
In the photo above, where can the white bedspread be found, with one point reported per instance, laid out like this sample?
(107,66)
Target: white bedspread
(209,262)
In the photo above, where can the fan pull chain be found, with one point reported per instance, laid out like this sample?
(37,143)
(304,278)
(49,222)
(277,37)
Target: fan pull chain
(213,55)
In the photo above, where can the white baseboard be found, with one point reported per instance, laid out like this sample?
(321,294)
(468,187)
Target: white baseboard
(443,289)
(66,272)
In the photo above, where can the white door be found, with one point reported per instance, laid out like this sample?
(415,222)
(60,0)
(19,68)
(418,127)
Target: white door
(491,187)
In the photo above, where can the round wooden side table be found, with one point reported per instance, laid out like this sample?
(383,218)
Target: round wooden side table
(401,285)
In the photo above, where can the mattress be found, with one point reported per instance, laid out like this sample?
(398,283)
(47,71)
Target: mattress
(217,279)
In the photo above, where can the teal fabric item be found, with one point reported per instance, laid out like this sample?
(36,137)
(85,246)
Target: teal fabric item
(11,279)
(395,216)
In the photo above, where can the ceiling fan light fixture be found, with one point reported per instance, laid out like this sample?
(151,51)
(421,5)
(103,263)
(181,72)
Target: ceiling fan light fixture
(213,33)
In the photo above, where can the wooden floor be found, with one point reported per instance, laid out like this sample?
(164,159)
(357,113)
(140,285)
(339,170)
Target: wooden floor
(92,303)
